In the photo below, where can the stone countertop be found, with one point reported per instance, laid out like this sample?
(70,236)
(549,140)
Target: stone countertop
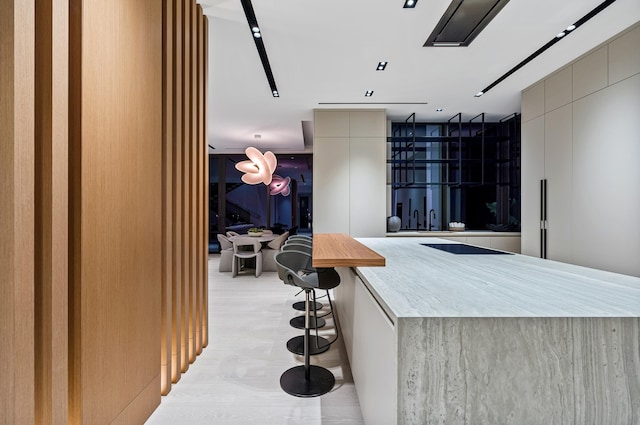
(419,281)
(448,233)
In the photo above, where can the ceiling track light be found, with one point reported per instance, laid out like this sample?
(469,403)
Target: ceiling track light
(259,40)
(381,66)
(410,4)
(554,40)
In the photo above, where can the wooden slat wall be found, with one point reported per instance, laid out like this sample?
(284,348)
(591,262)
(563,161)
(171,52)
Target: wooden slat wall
(103,206)
(187,320)
(17,47)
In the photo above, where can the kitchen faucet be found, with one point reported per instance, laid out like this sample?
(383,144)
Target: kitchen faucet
(416,215)
(431,212)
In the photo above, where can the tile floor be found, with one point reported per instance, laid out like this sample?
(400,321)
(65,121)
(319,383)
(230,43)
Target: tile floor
(236,379)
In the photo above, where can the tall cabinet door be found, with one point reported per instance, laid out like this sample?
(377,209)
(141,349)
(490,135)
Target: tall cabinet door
(532,173)
(558,171)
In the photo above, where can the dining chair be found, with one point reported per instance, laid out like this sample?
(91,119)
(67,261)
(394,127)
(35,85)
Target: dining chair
(226,253)
(245,248)
(269,252)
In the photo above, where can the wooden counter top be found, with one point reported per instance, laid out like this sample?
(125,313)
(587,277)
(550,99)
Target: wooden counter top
(340,250)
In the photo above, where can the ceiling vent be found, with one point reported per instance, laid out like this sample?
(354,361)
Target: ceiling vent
(463,21)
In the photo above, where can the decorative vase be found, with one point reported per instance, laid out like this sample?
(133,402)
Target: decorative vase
(393,223)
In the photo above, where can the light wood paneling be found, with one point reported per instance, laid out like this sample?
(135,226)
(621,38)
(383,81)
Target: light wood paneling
(17,21)
(51,212)
(116,170)
(177,300)
(167,196)
(340,250)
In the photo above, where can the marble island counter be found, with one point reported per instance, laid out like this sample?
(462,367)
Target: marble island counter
(440,338)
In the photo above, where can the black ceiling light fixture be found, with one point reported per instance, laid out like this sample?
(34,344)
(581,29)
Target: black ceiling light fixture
(463,21)
(258,39)
(381,66)
(561,35)
(368,93)
(410,4)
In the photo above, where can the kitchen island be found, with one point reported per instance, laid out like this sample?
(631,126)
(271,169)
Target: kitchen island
(442,338)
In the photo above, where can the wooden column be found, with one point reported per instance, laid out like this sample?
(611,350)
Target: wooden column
(17,28)
(51,211)
(115,205)
(186,204)
(167,197)
(193,102)
(177,292)
(205,265)
(199,181)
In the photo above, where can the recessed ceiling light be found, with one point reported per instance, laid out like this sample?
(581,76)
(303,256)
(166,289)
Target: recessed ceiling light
(275,93)
(257,34)
(381,66)
(479,94)
(560,35)
(369,93)
(255,29)
(439,110)
(571,27)
(410,4)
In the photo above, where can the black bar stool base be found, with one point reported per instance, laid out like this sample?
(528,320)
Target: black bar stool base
(293,381)
(300,306)
(298,322)
(296,345)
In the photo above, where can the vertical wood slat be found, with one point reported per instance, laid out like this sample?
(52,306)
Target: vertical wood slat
(192,182)
(206,208)
(167,198)
(198,178)
(116,203)
(177,141)
(186,214)
(51,211)
(17,47)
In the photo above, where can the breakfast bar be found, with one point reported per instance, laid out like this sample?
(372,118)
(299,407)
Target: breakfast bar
(439,337)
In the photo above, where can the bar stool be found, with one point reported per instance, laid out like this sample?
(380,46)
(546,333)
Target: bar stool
(308,380)
(300,305)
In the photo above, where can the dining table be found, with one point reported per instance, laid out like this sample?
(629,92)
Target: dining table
(264,238)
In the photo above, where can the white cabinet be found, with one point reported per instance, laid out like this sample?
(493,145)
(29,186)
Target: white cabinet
(587,150)
(370,339)
(349,172)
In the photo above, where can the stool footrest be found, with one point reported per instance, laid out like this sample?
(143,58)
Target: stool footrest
(296,345)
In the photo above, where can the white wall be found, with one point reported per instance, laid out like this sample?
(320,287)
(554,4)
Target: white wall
(580,130)
(349,172)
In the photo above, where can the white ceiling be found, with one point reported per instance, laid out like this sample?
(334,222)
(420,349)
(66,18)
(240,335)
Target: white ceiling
(327,51)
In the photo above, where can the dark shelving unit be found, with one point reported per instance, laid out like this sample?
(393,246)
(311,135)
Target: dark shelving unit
(455,155)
